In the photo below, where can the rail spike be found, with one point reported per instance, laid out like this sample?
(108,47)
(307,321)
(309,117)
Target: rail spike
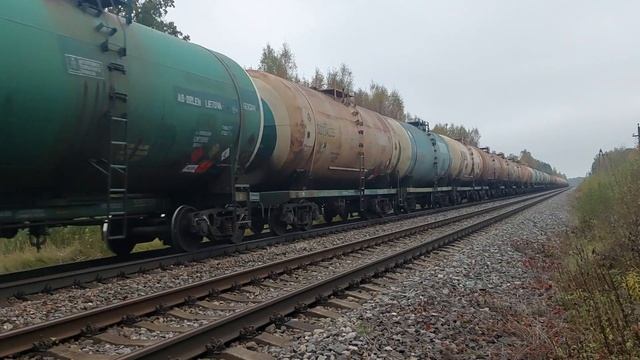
(278,319)
(215,347)
(161,309)
(90,330)
(248,332)
(213,293)
(236,286)
(190,300)
(321,299)
(301,307)
(130,319)
(44,344)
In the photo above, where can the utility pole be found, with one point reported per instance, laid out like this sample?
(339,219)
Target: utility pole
(637,135)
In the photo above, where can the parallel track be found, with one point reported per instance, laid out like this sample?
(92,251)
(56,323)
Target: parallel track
(47,279)
(196,341)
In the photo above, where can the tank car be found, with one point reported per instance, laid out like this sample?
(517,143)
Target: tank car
(429,169)
(322,141)
(105,118)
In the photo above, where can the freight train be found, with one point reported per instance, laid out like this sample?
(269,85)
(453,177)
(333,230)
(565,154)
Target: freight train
(107,122)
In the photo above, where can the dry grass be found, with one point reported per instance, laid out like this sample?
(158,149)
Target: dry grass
(599,279)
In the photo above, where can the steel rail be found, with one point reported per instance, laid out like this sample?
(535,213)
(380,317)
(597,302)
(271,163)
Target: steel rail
(24,339)
(47,279)
(196,342)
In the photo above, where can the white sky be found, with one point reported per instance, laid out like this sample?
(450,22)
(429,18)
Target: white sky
(560,78)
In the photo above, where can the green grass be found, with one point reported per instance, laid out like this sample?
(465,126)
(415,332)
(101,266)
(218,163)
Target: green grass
(63,245)
(74,243)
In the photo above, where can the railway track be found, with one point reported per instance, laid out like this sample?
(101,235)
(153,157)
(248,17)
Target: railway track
(47,279)
(224,308)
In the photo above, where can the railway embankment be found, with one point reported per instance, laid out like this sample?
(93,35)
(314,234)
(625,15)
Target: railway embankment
(492,293)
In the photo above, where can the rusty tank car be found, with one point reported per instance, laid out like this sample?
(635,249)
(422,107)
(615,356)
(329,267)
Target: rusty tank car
(321,140)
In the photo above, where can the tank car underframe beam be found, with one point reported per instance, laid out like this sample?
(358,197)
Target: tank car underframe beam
(55,213)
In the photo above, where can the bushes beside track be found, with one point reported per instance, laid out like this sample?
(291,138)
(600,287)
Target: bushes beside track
(599,274)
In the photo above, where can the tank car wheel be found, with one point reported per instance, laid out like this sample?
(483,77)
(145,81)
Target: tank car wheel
(276,225)
(182,236)
(120,247)
(344,215)
(8,233)
(257,224)
(328,216)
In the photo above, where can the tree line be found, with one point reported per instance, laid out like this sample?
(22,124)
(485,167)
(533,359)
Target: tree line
(376,97)
(459,132)
(152,13)
(527,159)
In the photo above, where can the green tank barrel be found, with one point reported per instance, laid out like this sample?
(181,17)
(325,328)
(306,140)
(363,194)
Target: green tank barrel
(189,109)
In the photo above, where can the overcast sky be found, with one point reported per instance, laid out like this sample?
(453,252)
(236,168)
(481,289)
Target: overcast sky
(559,78)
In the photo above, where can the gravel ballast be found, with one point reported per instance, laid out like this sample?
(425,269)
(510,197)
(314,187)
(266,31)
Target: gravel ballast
(485,297)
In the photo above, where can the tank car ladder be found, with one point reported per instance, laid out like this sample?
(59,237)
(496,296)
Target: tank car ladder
(117,119)
(363,169)
(118,124)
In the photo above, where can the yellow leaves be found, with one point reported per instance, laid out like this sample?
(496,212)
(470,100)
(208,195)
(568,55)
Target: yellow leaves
(632,282)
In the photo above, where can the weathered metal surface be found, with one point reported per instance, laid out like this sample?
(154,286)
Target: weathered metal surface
(489,167)
(477,162)
(403,150)
(527,174)
(502,168)
(512,171)
(461,169)
(294,136)
(319,140)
